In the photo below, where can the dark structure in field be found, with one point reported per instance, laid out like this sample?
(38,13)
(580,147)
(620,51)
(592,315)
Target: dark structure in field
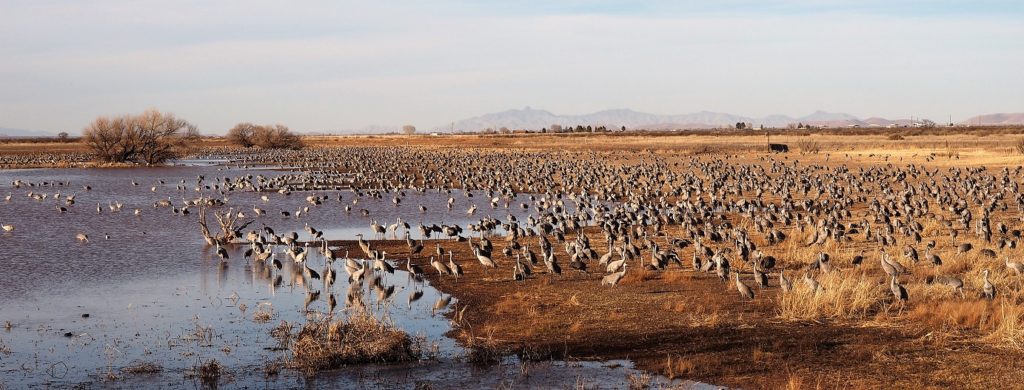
(779,148)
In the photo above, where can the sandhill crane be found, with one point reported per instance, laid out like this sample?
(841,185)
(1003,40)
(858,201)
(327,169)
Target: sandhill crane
(858,259)
(441,268)
(890,267)
(524,267)
(760,277)
(221,252)
(358,274)
(416,248)
(378,230)
(931,257)
(517,272)
(952,281)
(811,283)
(607,257)
(988,290)
(351,265)
(414,270)
(898,292)
(743,288)
(82,237)
(552,264)
(277,263)
(363,244)
(910,253)
(721,266)
(616,265)
(785,283)
(381,265)
(576,263)
(1014,266)
(456,269)
(7,227)
(483,259)
(613,278)
(394,227)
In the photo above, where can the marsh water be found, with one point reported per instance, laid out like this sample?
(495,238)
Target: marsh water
(145,288)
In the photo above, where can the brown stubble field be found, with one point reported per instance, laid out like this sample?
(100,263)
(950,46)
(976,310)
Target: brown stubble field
(691,325)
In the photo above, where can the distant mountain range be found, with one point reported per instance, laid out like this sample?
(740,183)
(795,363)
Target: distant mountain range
(996,119)
(18,133)
(533,119)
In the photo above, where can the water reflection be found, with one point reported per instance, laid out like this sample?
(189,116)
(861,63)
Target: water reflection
(145,287)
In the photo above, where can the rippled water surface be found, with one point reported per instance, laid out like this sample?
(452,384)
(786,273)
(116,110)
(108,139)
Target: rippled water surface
(146,288)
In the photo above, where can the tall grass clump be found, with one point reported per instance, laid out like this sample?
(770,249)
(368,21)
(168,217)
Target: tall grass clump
(839,296)
(1008,327)
(361,338)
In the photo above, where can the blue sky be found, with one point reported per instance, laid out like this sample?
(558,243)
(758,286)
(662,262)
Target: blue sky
(342,65)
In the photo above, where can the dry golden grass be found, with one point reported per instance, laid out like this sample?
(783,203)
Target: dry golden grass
(795,382)
(1008,326)
(951,315)
(702,316)
(639,381)
(362,338)
(839,296)
(677,367)
(637,276)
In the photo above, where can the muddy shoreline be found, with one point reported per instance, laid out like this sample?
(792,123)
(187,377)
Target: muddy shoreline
(688,325)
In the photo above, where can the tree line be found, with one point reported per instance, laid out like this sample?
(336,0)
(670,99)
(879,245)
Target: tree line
(153,137)
(278,136)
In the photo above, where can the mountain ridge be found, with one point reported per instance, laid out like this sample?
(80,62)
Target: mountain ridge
(536,119)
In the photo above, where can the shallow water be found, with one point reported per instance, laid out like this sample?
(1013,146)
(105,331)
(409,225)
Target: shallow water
(42,255)
(154,292)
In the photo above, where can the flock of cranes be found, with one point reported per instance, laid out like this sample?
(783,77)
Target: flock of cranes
(736,219)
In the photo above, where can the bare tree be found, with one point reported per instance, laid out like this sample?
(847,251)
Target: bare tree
(276,137)
(62,136)
(409,129)
(247,135)
(151,137)
(242,134)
